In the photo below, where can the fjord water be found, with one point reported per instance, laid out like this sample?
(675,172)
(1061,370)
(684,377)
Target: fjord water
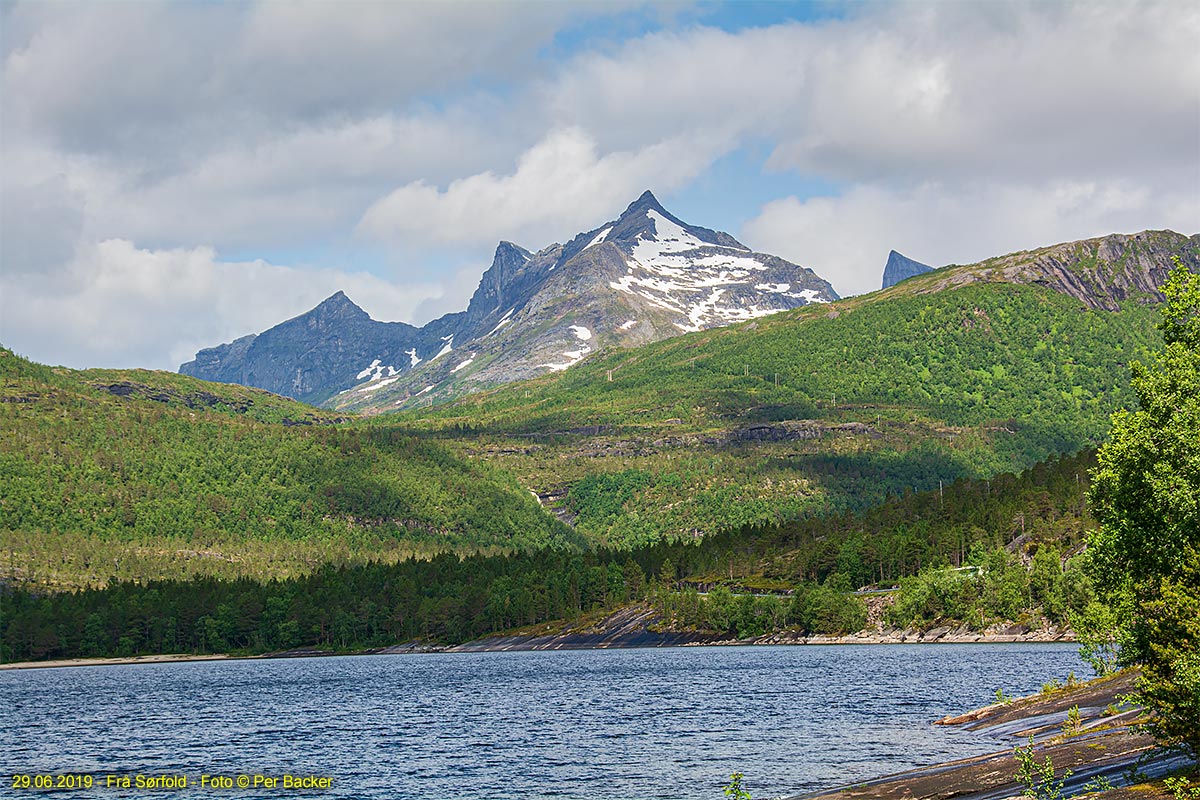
(598,724)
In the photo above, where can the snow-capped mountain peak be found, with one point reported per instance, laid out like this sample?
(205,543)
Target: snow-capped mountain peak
(643,276)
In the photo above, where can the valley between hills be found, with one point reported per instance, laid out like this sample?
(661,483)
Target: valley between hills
(828,411)
(933,443)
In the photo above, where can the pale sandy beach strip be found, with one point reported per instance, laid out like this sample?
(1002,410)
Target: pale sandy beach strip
(108,662)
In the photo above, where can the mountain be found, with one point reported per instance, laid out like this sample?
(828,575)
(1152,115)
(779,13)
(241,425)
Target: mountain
(642,277)
(298,357)
(901,267)
(967,371)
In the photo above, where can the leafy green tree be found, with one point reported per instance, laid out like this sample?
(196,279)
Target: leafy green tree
(1046,581)
(721,608)
(1145,556)
(1041,781)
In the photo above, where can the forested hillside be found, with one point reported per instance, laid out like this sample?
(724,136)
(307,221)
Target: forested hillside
(800,572)
(796,416)
(153,475)
(809,412)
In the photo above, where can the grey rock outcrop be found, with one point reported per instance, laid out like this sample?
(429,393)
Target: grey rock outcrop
(1101,273)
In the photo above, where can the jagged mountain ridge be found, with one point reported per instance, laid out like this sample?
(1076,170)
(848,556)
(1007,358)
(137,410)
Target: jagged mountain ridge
(900,267)
(644,276)
(1102,272)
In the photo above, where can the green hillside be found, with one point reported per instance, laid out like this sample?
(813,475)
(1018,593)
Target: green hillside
(958,373)
(450,600)
(826,408)
(154,475)
(980,352)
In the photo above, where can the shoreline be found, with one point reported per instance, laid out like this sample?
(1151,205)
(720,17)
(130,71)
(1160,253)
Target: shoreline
(511,643)
(165,658)
(1101,743)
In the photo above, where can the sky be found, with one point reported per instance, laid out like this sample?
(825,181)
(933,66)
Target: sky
(178,174)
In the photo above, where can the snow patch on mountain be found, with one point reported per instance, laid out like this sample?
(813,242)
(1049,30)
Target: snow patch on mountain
(573,356)
(370,387)
(464,364)
(413,358)
(376,370)
(600,237)
(627,325)
(504,321)
(374,366)
(674,270)
(446,348)
(811,295)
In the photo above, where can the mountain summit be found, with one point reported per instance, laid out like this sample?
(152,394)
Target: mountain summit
(901,268)
(644,276)
(338,306)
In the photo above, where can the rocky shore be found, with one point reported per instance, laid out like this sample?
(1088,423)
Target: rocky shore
(939,635)
(1100,747)
(631,626)
(642,626)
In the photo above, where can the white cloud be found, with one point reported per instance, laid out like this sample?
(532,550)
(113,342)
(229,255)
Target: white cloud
(122,306)
(846,239)
(559,185)
(954,131)
(916,92)
(128,80)
(264,125)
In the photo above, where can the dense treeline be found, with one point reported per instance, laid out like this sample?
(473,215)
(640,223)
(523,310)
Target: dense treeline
(1044,504)
(997,587)
(710,584)
(827,608)
(444,599)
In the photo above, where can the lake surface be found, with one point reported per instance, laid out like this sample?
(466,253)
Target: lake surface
(593,725)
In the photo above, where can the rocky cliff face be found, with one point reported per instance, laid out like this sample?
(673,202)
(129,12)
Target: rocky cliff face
(900,268)
(645,276)
(1102,273)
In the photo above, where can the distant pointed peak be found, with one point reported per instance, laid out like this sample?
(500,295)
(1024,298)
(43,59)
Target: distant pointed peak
(339,303)
(337,298)
(900,267)
(506,246)
(645,203)
(638,221)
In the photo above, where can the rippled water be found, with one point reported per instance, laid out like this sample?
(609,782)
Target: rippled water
(600,725)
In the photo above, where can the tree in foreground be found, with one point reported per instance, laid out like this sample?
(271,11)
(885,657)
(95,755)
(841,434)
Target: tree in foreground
(1145,557)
